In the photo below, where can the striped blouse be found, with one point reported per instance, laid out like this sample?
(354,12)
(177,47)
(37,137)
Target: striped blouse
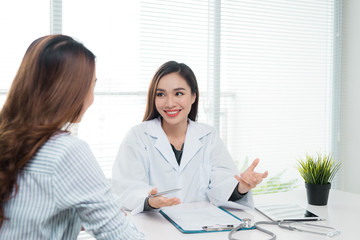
(61,190)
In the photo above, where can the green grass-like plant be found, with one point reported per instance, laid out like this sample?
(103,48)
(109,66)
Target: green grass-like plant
(318,169)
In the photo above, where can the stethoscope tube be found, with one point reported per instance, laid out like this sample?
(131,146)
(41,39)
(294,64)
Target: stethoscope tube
(246,224)
(256,225)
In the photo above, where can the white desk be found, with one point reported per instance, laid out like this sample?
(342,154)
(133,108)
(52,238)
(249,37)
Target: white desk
(342,212)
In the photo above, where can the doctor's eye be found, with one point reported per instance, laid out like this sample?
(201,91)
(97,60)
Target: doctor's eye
(179,93)
(160,94)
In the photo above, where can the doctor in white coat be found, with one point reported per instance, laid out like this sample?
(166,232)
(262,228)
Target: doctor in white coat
(170,150)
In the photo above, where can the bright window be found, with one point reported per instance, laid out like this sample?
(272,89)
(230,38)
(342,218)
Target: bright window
(265,69)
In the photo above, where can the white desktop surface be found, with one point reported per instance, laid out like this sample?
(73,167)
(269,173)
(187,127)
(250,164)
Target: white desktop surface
(341,212)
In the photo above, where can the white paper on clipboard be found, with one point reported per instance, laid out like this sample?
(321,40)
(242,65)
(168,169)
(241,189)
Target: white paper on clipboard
(194,216)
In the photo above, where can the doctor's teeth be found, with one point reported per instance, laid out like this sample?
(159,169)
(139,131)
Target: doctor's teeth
(172,112)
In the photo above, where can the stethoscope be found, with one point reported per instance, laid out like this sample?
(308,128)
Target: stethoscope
(289,225)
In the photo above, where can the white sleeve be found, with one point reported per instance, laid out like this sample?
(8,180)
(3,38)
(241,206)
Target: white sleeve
(130,179)
(222,177)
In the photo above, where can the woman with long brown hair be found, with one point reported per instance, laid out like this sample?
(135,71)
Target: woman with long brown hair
(50,182)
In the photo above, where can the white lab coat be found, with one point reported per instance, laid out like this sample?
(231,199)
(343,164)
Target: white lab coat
(146,160)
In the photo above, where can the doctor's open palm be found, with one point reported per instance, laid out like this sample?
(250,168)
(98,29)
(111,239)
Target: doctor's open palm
(161,201)
(249,178)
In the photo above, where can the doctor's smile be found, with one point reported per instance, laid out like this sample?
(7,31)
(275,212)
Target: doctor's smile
(172,113)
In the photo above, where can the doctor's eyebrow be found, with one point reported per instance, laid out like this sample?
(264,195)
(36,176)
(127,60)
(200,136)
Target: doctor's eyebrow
(176,89)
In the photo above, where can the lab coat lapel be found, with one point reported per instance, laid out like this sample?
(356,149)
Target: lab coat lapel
(162,143)
(192,143)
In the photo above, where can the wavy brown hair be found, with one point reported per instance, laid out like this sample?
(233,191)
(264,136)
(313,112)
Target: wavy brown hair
(167,68)
(47,93)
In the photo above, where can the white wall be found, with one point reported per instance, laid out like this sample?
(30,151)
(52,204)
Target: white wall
(349,148)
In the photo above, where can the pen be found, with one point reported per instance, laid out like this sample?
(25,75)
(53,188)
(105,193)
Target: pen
(218,227)
(164,192)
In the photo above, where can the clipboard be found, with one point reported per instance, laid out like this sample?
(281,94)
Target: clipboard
(200,217)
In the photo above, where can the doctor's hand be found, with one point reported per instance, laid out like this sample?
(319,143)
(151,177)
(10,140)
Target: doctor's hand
(249,178)
(161,201)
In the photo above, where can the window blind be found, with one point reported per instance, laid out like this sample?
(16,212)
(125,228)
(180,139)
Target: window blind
(277,66)
(267,70)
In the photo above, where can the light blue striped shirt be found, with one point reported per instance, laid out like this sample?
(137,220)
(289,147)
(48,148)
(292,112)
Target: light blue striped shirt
(61,190)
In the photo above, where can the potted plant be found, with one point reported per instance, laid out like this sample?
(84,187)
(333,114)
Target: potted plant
(318,171)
